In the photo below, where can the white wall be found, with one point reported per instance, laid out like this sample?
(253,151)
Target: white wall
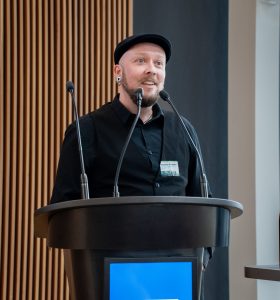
(254,142)
(267,142)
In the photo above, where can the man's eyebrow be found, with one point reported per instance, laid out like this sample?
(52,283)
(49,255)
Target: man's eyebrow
(158,55)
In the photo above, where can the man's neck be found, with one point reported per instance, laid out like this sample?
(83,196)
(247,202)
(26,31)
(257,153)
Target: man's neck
(146,112)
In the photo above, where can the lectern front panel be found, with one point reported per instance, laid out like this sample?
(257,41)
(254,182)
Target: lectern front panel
(141,227)
(150,278)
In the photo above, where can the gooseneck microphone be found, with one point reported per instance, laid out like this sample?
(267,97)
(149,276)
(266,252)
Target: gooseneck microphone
(203,179)
(139,96)
(203,186)
(84,180)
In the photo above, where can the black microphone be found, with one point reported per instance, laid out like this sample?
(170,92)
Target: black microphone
(139,96)
(203,186)
(84,180)
(203,179)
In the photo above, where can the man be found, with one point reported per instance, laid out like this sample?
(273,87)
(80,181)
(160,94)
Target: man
(160,159)
(157,140)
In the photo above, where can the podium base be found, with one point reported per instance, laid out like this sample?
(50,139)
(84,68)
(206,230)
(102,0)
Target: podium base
(86,273)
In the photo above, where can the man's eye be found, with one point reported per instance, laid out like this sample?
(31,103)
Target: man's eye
(159,63)
(140,60)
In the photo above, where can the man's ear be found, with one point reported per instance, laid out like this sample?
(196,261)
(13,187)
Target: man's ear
(117,71)
(118,74)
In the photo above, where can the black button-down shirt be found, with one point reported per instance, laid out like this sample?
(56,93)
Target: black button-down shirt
(146,136)
(103,135)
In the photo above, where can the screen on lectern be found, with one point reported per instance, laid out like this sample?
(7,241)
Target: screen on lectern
(150,279)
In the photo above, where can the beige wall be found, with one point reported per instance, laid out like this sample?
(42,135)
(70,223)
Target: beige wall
(253,106)
(241,118)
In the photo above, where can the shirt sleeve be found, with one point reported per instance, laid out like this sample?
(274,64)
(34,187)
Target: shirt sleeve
(67,180)
(68,177)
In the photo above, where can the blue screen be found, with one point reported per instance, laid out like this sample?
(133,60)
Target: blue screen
(151,281)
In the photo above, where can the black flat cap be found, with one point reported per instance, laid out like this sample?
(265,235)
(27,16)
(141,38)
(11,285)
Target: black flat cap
(130,41)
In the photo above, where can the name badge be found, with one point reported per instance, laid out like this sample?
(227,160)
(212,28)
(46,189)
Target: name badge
(169,168)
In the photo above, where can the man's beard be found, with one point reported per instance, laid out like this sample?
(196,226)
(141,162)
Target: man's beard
(146,101)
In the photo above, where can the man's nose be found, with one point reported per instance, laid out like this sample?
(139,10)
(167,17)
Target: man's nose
(151,69)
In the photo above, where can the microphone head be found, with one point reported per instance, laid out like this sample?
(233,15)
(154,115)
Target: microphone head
(70,87)
(139,96)
(164,95)
(139,93)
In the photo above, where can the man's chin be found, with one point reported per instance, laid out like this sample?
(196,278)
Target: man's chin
(148,102)
(149,98)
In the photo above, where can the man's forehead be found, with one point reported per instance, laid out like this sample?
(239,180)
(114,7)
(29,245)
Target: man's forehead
(145,48)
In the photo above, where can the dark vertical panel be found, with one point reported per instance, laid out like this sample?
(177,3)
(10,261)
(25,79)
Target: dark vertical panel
(197,81)
(197,72)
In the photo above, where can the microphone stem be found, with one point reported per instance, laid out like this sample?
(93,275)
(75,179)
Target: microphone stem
(116,188)
(203,178)
(204,186)
(84,179)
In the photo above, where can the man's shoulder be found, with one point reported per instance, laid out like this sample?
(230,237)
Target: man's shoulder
(102,109)
(87,121)
(99,112)
(170,115)
(173,122)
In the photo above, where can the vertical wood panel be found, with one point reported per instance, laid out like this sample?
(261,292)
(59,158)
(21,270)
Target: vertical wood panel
(32,179)
(1,117)
(38,148)
(13,170)
(42,45)
(1,123)
(19,161)
(27,140)
(6,146)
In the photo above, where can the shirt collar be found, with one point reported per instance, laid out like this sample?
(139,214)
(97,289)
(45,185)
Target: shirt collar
(126,116)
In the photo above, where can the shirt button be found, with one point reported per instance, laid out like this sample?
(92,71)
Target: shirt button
(157,185)
(150,152)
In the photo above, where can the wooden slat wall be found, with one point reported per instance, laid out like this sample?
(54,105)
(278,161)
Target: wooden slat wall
(42,45)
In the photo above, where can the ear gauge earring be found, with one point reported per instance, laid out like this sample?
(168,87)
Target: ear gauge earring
(118,79)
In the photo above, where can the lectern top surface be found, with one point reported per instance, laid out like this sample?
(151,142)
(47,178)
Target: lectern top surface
(235,207)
